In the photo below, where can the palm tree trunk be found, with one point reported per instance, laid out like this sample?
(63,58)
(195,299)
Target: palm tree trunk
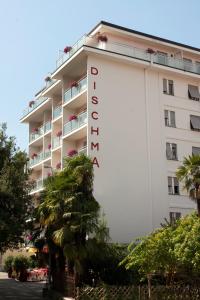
(198,207)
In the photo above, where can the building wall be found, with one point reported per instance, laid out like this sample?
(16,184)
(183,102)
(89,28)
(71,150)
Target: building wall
(130,183)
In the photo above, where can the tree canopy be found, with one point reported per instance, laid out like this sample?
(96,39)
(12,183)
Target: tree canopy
(169,250)
(15,202)
(189,174)
(69,212)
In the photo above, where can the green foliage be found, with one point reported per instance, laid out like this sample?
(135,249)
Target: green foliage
(104,266)
(168,250)
(15,202)
(189,174)
(69,213)
(20,262)
(8,263)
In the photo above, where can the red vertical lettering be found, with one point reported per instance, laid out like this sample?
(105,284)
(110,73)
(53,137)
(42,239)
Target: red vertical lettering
(95,130)
(94,115)
(95,162)
(94,146)
(95,100)
(94,71)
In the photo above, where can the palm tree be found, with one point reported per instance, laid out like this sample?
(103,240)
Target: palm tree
(70,212)
(189,174)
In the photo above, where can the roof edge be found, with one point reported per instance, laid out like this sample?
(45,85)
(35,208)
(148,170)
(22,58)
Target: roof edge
(145,35)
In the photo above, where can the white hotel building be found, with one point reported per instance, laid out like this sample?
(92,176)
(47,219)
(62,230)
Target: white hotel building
(131,102)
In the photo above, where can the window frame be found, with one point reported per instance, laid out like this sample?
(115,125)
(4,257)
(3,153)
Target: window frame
(168,116)
(168,87)
(173,151)
(173,186)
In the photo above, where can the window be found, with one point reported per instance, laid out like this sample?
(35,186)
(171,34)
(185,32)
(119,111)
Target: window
(174,216)
(195,123)
(187,64)
(170,118)
(193,92)
(171,151)
(168,87)
(195,150)
(173,186)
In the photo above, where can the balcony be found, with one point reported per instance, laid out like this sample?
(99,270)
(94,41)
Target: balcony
(75,90)
(38,185)
(83,150)
(128,50)
(75,124)
(180,64)
(39,157)
(33,105)
(75,48)
(38,132)
(47,127)
(57,112)
(56,142)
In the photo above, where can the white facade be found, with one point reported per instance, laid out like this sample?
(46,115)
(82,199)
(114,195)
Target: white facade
(129,96)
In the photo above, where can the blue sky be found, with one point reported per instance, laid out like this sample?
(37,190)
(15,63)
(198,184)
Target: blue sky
(32,32)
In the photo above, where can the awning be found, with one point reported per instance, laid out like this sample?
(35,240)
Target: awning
(195,122)
(193,92)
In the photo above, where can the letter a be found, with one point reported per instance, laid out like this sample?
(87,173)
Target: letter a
(95,162)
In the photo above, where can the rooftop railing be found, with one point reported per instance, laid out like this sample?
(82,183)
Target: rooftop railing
(138,53)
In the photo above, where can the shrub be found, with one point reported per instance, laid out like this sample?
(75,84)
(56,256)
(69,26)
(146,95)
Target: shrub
(8,265)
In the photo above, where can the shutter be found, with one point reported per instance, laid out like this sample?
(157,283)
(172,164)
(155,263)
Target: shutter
(166,115)
(172,119)
(195,150)
(195,122)
(168,151)
(193,92)
(165,86)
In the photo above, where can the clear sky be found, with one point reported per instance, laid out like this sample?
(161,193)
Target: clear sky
(33,31)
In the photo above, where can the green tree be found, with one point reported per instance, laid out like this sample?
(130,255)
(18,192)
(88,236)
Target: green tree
(70,214)
(189,174)
(15,202)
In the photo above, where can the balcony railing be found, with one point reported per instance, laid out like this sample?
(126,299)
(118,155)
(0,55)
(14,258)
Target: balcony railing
(37,134)
(138,53)
(56,142)
(74,91)
(34,106)
(47,126)
(75,124)
(57,112)
(39,158)
(83,150)
(38,185)
(75,48)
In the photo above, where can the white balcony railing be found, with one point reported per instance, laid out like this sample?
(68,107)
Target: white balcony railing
(75,90)
(39,157)
(34,105)
(128,50)
(75,124)
(38,132)
(37,185)
(83,150)
(57,112)
(56,142)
